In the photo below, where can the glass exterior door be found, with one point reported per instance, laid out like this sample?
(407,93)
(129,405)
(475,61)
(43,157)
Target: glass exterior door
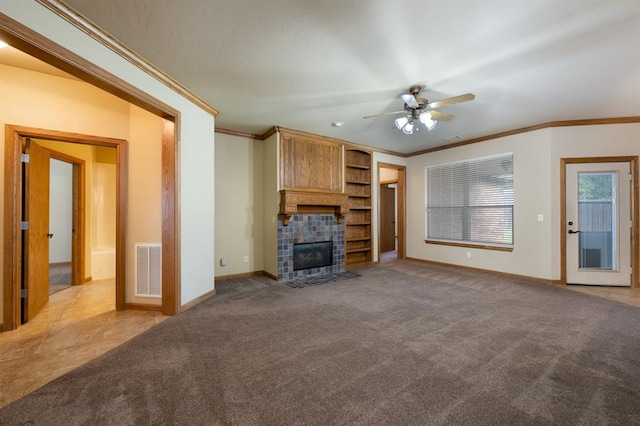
(598,218)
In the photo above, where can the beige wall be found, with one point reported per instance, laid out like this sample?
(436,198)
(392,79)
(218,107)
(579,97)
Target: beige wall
(239,208)
(270,188)
(387,175)
(103,199)
(536,191)
(144,180)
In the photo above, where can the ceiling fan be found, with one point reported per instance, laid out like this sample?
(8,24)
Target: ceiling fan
(420,109)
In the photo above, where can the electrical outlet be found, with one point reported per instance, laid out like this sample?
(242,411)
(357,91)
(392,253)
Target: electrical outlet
(223,261)
(246,259)
(468,254)
(540,218)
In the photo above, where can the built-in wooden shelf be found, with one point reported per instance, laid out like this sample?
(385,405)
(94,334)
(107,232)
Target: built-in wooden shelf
(358,220)
(359,250)
(357,166)
(359,239)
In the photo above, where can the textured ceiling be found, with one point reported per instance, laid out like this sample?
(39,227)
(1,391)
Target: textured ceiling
(306,63)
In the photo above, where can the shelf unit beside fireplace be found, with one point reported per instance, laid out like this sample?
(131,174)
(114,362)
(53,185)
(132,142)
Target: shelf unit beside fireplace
(358,220)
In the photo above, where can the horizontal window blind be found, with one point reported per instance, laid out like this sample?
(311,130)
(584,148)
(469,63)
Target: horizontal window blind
(471,201)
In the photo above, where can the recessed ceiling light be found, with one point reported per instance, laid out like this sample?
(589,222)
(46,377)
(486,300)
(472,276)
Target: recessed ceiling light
(337,124)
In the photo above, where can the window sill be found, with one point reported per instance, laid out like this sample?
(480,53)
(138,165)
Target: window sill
(470,245)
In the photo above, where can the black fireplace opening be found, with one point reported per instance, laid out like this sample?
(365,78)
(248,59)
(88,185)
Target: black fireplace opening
(312,255)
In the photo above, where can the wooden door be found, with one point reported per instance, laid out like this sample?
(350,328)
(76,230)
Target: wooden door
(36,240)
(387,219)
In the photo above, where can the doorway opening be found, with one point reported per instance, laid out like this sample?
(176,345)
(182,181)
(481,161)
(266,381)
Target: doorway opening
(391,212)
(29,178)
(599,221)
(43,49)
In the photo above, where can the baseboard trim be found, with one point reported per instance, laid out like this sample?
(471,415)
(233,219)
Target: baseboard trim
(198,300)
(236,276)
(1,328)
(87,280)
(489,271)
(268,275)
(143,307)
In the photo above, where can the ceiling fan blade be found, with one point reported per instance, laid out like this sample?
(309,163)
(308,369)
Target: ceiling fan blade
(441,116)
(385,113)
(410,100)
(454,100)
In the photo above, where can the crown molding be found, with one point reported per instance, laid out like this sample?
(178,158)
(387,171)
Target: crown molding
(237,133)
(562,123)
(70,15)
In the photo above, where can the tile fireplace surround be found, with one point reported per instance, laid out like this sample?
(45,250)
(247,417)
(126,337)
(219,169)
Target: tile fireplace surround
(309,228)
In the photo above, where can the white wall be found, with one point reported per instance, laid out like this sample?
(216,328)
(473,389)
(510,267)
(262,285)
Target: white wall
(536,191)
(60,211)
(239,210)
(196,150)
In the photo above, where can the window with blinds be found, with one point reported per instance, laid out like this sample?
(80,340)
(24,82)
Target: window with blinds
(471,201)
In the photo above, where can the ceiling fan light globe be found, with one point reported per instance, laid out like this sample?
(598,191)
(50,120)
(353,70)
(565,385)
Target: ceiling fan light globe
(401,122)
(408,129)
(430,124)
(425,117)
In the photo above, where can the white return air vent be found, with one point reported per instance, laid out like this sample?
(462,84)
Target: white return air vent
(148,270)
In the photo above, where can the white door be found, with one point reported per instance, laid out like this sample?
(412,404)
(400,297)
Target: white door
(598,214)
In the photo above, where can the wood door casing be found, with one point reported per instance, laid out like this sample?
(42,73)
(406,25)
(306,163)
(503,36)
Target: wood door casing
(387,219)
(36,240)
(635,219)
(401,206)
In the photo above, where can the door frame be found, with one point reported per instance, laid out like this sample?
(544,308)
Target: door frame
(401,200)
(31,42)
(14,187)
(635,211)
(78,217)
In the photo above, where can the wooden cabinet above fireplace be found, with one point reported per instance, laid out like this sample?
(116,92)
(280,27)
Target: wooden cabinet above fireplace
(310,162)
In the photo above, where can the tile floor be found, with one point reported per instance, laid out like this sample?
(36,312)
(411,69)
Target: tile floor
(77,325)
(630,296)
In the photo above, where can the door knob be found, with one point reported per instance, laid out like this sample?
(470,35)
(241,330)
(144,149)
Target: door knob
(49,236)
(571,231)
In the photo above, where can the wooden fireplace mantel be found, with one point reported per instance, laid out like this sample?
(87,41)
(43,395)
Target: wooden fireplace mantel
(311,202)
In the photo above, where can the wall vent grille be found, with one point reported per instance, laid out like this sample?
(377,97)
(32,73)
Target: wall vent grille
(148,270)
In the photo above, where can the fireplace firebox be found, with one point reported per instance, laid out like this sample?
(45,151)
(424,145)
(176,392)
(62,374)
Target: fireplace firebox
(312,255)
